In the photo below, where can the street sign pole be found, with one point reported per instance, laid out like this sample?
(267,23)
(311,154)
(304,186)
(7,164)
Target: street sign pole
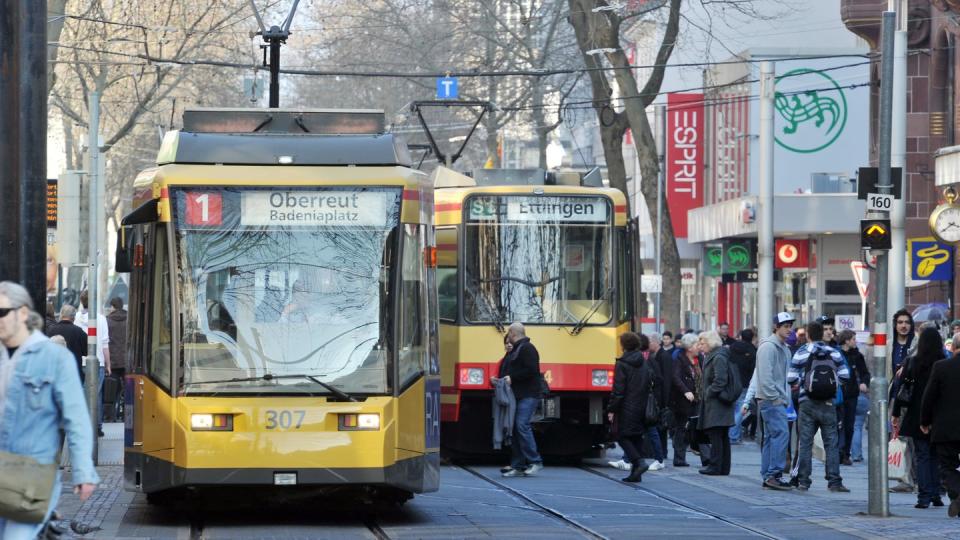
(878,500)
(765,299)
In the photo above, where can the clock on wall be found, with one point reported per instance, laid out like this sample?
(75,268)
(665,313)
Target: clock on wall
(945,219)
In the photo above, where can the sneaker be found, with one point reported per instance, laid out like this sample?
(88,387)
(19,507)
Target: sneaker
(512,473)
(533,469)
(858,460)
(901,488)
(802,487)
(622,465)
(656,466)
(776,483)
(846,461)
(839,488)
(506,469)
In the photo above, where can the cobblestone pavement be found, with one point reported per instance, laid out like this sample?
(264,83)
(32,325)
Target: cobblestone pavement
(564,502)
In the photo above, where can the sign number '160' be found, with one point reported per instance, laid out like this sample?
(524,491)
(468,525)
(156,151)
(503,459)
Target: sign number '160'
(876,201)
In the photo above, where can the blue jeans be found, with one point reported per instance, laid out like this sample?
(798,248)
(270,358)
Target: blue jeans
(14,530)
(737,417)
(928,471)
(656,446)
(820,415)
(863,407)
(776,438)
(524,447)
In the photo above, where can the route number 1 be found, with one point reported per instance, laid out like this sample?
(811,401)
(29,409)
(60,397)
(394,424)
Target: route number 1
(204,208)
(876,201)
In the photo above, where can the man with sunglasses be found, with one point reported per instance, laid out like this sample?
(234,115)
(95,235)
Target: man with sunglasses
(40,392)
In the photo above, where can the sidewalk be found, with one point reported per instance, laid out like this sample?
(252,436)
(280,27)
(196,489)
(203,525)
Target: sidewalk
(843,512)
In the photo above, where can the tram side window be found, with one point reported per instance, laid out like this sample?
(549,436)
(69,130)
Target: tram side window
(447,293)
(413,306)
(625,273)
(161,339)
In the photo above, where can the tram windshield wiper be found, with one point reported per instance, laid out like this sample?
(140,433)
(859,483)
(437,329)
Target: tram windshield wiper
(528,282)
(271,377)
(593,309)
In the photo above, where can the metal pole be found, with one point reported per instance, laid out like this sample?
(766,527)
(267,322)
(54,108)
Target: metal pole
(91,366)
(765,226)
(898,155)
(661,124)
(275,41)
(878,500)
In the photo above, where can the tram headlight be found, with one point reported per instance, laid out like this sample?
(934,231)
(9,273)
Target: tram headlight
(211,422)
(602,377)
(359,422)
(471,376)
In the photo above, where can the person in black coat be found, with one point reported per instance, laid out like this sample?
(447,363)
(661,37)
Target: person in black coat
(521,370)
(633,380)
(743,356)
(75,337)
(858,382)
(940,419)
(915,375)
(683,389)
(716,415)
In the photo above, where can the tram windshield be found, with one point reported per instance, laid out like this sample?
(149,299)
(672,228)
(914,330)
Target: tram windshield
(538,259)
(291,284)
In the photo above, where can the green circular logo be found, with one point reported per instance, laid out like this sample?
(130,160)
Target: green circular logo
(811,119)
(738,258)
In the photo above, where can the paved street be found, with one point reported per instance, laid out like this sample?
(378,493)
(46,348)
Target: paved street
(563,502)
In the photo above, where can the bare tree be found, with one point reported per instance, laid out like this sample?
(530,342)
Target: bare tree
(599,27)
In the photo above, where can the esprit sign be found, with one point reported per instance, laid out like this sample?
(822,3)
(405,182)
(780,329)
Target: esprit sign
(684,157)
(312,208)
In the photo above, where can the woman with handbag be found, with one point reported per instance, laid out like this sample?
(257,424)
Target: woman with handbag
(683,389)
(906,415)
(633,383)
(40,391)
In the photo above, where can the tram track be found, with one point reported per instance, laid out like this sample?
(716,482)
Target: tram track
(684,504)
(552,512)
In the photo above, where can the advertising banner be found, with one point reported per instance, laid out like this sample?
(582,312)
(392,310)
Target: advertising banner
(684,154)
(930,260)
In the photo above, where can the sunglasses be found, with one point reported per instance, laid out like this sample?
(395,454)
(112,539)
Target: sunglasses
(4,311)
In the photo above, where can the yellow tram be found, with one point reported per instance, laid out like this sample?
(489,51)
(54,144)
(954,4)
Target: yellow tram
(283,313)
(550,250)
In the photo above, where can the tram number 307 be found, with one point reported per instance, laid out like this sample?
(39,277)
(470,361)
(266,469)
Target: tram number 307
(285,419)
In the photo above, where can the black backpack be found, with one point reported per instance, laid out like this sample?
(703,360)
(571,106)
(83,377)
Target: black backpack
(820,381)
(731,392)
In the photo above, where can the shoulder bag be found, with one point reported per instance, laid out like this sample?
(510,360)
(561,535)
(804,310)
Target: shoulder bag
(25,488)
(905,393)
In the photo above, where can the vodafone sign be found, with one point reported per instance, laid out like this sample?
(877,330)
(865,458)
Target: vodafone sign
(792,254)
(684,157)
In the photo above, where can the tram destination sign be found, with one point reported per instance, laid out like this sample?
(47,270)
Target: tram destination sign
(313,208)
(540,209)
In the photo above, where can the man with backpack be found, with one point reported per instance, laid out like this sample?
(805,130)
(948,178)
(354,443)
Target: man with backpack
(818,370)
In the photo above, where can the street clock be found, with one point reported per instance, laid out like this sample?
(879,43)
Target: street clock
(945,219)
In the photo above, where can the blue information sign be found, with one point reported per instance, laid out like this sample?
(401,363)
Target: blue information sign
(930,260)
(447,88)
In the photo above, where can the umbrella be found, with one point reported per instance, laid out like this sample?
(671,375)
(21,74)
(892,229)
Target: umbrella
(930,312)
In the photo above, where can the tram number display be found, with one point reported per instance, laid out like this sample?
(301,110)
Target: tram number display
(284,419)
(204,208)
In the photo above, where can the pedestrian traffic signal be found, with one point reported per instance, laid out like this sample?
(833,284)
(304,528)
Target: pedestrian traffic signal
(875,233)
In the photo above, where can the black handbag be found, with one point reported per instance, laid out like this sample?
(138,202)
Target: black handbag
(905,393)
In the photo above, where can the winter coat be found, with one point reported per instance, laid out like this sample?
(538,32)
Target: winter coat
(919,370)
(683,380)
(858,373)
(632,379)
(716,372)
(662,362)
(523,367)
(941,402)
(744,356)
(117,322)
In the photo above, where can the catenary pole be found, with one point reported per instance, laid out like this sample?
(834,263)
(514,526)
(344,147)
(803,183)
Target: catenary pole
(91,366)
(661,124)
(878,500)
(765,230)
(898,158)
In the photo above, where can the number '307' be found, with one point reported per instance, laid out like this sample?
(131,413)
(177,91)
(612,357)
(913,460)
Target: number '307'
(284,419)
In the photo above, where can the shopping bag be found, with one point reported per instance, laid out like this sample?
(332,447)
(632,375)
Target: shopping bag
(898,460)
(818,451)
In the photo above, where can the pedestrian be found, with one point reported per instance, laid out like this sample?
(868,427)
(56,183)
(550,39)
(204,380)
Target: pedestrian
(117,325)
(801,340)
(666,341)
(852,387)
(103,350)
(521,370)
(904,334)
(906,414)
(743,355)
(633,380)
(40,394)
(940,419)
(723,329)
(818,370)
(716,410)
(683,389)
(773,359)
(50,317)
(504,405)
(72,334)
(662,363)
(829,334)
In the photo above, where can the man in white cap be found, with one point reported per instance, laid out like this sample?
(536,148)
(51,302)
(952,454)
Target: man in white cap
(773,358)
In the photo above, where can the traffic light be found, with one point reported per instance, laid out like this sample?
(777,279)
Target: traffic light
(875,233)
